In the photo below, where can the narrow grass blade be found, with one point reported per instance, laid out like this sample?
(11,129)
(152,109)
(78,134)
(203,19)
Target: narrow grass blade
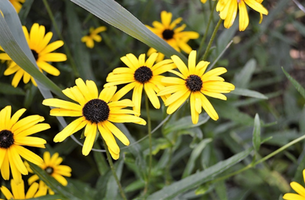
(114,14)
(256,139)
(295,83)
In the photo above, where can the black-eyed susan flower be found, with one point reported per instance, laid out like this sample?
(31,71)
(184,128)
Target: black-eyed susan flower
(195,84)
(228,10)
(14,134)
(52,166)
(298,188)
(138,75)
(18,191)
(93,36)
(95,112)
(38,42)
(17,4)
(175,37)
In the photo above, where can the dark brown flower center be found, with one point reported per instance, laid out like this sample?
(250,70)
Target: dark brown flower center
(6,139)
(143,74)
(49,170)
(168,34)
(193,83)
(96,110)
(35,54)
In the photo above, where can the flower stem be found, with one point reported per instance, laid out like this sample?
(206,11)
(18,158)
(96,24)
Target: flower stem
(206,29)
(253,164)
(150,144)
(114,172)
(72,63)
(211,40)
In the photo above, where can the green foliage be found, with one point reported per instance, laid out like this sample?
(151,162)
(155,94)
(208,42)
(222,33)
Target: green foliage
(242,155)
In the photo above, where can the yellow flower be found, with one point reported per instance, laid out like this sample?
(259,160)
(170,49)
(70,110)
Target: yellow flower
(196,84)
(35,190)
(298,188)
(38,43)
(94,112)
(17,4)
(139,75)
(93,35)
(13,135)
(228,10)
(175,37)
(203,1)
(51,165)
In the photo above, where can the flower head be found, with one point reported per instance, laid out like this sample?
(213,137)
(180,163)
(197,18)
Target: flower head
(93,36)
(35,190)
(175,37)
(17,4)
(298,188)
(95,112)
(193,82)
(228,10)
(14,134)
(140,74)
(51,165)
(38,42)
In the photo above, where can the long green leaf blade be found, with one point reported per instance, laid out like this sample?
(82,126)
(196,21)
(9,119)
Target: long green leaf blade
(295,83)
(117,16)
(13,42)
(177,188)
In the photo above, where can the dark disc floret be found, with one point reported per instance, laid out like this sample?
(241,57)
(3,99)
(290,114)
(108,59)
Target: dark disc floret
(168,34)
(193,83)
(6,139)
(35,54)
(96,110)
(49,170)
(143,74)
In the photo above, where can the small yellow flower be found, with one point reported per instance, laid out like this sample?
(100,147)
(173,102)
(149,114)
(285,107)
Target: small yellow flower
(228,10)
(35,190)
(38,42)
(95,112)
(140,74)
(298,188)
(51,165)
(193,82)
(93,36)
(203,1)
(17,4)
(175,37)
(14,134)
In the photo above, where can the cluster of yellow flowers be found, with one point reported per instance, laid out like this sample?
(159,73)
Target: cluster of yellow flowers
(99,111)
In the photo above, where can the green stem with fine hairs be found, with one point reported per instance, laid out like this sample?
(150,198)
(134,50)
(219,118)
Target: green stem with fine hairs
(72,63)
(150,143)
(206,30)
(114,172)
(211,40)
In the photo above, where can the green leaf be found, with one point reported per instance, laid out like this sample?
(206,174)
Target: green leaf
(13,42)
(112,187)
(47,197)
(248,93)
(256,139)
(243,78)
(114,14)
(10,90)
(185,123)
(295,83)
(195,154)
(179,187)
